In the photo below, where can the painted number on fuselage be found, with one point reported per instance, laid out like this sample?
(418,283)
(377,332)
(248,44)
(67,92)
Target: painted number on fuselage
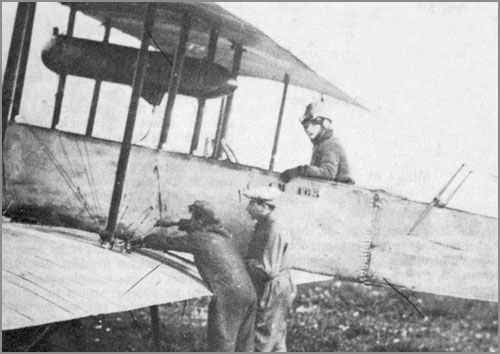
(308,192)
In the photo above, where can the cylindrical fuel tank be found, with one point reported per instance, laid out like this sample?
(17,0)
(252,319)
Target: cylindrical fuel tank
(115,63)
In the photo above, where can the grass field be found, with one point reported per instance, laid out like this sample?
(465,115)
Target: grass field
(328,316)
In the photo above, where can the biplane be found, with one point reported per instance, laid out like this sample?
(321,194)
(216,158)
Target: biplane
(72,197)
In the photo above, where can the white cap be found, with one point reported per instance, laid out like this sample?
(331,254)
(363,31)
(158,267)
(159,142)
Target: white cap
(269,195)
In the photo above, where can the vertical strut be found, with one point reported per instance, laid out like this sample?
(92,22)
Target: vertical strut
(23,61)
(286,81)
(97,87)
(12,64)
(175,77)
(238,53)
(62,77)
(212,47)
(197,125)
(218,131)
(129,127)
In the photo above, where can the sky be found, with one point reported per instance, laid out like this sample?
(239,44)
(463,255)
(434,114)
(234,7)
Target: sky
(428,73)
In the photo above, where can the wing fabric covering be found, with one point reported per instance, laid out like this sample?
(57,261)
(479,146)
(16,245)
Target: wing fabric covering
(52,274)
(262,58)
(451,252)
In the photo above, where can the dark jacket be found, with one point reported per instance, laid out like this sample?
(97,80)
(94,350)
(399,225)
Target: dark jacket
(329,160)
(231,313)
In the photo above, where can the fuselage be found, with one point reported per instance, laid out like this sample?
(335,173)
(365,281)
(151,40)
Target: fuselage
(65,179)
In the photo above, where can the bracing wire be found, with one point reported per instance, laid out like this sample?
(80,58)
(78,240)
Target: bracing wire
(404,297)
(99,206)
(485,173)
(87,175)
(141,217)
(158,46)
(163,88)
(150,209)
(65,153)
(123,213)
(72,172)
(66,178)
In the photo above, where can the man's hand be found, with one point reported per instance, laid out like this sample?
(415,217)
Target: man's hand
(291,173)
(166,222)
(137,242)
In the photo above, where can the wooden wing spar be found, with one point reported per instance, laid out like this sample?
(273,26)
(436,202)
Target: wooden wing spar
(261,58)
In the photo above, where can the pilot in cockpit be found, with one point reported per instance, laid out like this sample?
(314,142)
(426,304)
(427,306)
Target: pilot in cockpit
(329,160)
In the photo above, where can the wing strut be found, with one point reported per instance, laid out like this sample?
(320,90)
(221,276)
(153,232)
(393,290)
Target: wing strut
(62,78)
(23,60)
(12,65)
(97,86)
(175,76)
(212,48)
(286,81)
(126,145)
(238,53)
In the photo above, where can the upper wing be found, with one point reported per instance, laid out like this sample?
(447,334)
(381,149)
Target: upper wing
(262,57)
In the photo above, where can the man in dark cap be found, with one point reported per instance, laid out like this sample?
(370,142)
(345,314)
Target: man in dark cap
(329,160)
(231,313)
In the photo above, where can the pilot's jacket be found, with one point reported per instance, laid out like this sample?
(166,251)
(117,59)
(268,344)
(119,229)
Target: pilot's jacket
(269,268)
(231,313)
(329,160)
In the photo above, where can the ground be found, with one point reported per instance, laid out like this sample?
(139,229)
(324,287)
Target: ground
(327,316)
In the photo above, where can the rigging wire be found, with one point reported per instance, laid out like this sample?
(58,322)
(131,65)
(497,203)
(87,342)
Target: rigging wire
(485,173)
(163,87)
(150,209)
(72,172)
(99,206)
(144,215)
(74,189)
(65,153)
(404,297)
(158,47)
(123,213)
(86,170)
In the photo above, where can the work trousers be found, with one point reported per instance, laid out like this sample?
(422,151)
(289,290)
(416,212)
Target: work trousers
(270,321)
(231,324)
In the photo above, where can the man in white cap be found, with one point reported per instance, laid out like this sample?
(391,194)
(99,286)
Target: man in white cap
(329,160)
(269,267)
